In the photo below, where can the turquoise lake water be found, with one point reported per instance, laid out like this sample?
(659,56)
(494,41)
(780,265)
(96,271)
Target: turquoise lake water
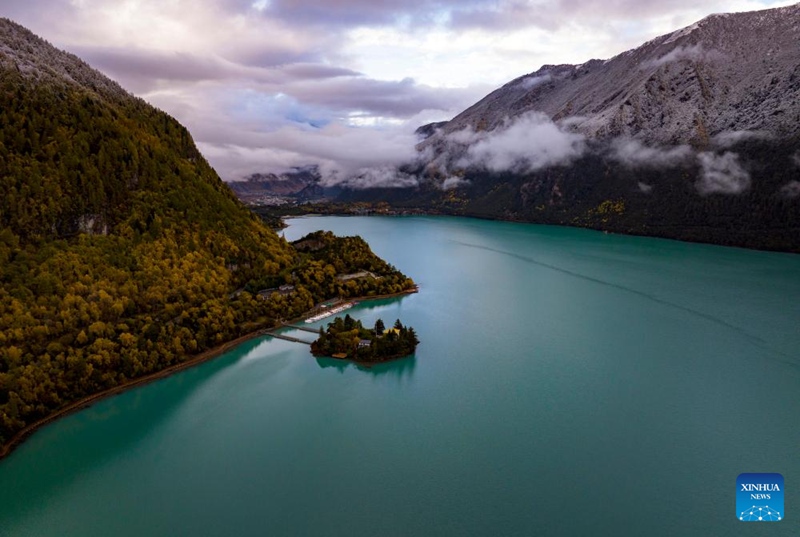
(568,382)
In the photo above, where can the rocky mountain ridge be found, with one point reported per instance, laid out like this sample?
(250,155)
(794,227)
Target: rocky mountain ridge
(726,73)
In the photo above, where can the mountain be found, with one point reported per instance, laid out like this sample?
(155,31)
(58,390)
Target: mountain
(725,73)
(694,135)
(122,253)
(119,244)
(294,183)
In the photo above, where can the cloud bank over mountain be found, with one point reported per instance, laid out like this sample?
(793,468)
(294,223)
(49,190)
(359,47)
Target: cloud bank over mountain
(244,70)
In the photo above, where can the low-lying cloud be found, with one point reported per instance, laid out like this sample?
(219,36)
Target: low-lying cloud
(355,156)
(530,82)
(721,174)
(533,142)
(728,139)
(374,177)
(526,144)
(361,158)
(454,182)
(633,153)
(718,174)
(682,53)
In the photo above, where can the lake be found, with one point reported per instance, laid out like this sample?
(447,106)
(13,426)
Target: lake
(568,382)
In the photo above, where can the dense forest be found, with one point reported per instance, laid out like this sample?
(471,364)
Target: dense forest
(347,338)
(121,251)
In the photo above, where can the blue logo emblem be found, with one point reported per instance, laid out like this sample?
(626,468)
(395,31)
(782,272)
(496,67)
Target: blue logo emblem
(759,498)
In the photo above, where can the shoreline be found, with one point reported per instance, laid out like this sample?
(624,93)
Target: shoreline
(205,356)
(651,232)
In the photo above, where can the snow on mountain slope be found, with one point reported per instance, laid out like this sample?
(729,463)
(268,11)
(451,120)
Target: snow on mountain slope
(724,74)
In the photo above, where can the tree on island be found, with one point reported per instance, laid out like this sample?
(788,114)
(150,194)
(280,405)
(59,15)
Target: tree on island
(347,338)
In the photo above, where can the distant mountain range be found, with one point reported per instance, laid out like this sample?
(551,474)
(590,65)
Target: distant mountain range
(301,184)
(694,135)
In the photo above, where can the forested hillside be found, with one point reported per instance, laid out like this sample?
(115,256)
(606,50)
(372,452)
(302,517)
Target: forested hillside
(121,250)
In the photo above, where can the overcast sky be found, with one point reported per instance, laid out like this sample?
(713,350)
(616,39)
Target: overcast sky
(264,85)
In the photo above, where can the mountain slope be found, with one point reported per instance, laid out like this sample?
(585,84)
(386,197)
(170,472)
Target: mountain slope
(119,245)
(727,72)
(695,135)
(122,252)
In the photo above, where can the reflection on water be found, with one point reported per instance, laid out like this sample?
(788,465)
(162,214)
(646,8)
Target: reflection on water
(104,434)
(401,368)
(380,302)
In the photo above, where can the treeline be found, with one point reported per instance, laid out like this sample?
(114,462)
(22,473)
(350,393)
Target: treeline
(347,338)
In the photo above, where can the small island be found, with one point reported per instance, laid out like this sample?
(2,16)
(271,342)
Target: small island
(346,338)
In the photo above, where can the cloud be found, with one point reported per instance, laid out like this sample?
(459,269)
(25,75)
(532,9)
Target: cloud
(313,71)
(526,144)
(721,174)
(145,70)
(399,99)
(635,154)
(454,182)
(141,70)
(681,53)
(502,15)
(417,13)
(728,139)
(175,65)
(645,188)
(345,155)
(350,12)
(498,16)
(237,72)
(375,177)
(530,82)
(244,131)
(791,189)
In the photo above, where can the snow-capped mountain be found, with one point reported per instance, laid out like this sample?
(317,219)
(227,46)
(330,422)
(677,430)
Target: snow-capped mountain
(726,73)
